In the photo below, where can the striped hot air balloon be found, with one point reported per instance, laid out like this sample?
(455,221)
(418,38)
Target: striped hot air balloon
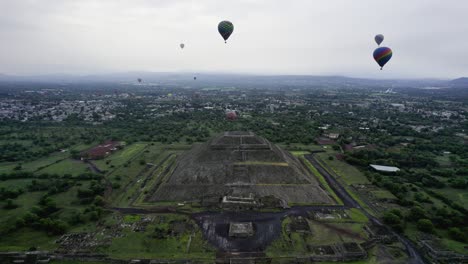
(382,55)
(225,28)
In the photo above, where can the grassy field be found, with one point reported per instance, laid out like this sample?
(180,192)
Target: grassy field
(75,262)
(292,244)
(458,195)
(412,232)
(456,246)
(345,173)
(42,163)
(15,184)
(298,153)
(24,239)
(25,202)
(120,157)
(140,245)
(300,147)
(322,180)
(67,166)
(349,174)
(188,244)
(158,177)
(383,194)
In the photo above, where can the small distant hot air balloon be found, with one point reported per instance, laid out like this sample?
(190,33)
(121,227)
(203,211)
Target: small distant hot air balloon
(231,115)
(139,80)
(182,45)
(379,38)
(225,28)
(195,78)
(382,55)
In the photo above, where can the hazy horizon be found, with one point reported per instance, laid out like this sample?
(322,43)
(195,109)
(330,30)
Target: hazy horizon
(317,38)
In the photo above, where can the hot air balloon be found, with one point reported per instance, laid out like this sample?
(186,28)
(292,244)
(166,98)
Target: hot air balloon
(225,28)
(182,45)
(382,55)
(195,78)
(379,38)
(139,80)
(231,115)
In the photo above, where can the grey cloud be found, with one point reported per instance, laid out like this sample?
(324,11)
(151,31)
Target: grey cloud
(271,36)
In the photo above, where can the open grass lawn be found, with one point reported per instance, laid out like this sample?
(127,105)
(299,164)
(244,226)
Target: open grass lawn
(7,167)
(152,152)
(75,262)
(67,166)
(25,202)
(15,184)
(456,246)
(350,174)
(357,216)
(458,195)
(134,174)
(157,177)
(42,163)
(298,153)
(383,194)
(69,198)
(131,218)
(38,164)
(25,238)
(122,196)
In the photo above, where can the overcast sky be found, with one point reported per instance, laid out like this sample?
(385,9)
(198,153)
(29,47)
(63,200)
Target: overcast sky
(429,38)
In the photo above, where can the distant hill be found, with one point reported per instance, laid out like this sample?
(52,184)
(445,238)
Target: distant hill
(460,82)
(208,79)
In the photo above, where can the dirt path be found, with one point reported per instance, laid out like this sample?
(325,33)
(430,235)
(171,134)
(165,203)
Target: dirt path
(93,167)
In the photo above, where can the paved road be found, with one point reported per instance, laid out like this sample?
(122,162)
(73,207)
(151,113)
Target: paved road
(349,201)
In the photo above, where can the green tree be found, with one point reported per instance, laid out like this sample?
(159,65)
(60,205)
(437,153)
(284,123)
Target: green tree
(458,235)
(393,221)
(416,213)
(9,204)
(99,200)
(425,225)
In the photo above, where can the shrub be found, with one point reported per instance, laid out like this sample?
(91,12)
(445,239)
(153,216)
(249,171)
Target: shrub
(425,225)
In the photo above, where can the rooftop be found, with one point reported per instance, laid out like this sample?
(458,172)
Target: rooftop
(384,168)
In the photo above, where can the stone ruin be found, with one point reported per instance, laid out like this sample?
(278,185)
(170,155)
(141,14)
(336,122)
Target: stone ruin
(238,164)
